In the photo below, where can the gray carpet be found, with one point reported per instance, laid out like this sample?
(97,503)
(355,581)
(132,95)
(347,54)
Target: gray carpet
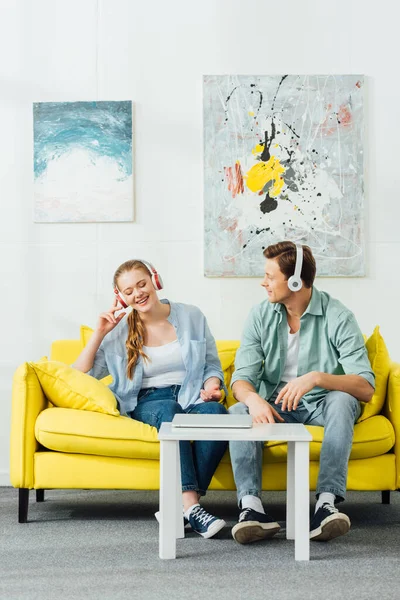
(104,545)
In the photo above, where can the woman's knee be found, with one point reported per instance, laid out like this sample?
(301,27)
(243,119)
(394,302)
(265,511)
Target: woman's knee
(213,408)
(168,409)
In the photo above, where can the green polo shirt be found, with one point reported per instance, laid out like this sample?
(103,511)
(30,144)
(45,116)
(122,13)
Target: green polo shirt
(330,342)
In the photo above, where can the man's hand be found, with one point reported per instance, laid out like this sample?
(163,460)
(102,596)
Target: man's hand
(261,410)
(292,393)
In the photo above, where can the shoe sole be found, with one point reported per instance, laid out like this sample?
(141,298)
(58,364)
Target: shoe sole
(254,531)
(213,529)
(330,528)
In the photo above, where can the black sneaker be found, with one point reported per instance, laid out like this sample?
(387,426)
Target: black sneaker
(203,523)
(328,523)
(253,526)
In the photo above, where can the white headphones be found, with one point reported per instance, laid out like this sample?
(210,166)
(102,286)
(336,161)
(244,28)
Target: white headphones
(294,282)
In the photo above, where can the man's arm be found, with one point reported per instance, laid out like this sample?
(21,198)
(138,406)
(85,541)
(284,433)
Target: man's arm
(249,358)
(294,390)
(355,385)
(358,380)
(249,362)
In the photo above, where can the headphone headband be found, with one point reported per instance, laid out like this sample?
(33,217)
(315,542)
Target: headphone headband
(295,282)
(155,277)
(148,264)
(299,261)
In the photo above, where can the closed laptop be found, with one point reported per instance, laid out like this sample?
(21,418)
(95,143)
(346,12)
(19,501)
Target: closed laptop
(217,421)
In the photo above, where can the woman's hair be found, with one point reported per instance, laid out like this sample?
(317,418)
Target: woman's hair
(135,339)
(285,253)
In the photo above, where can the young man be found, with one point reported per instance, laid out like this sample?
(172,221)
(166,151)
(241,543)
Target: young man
(302,359)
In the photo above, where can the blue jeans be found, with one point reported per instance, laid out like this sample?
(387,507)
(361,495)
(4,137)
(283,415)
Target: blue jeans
(336,412)
(199,459)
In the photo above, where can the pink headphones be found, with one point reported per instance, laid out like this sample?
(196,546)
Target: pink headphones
(155,278)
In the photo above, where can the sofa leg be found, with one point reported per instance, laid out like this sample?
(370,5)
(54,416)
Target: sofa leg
(23,503)
(39,495)
(386,497)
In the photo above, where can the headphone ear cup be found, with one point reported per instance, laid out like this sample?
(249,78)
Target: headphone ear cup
(120,298)
(294,284)
(157,281)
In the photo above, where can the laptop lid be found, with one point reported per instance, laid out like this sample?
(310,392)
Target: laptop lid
(218,421)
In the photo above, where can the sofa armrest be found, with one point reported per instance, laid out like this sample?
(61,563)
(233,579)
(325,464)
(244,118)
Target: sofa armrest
(28,401)
(391,410)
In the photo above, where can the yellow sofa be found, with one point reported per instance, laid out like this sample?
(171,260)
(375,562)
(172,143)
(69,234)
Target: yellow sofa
(67,448)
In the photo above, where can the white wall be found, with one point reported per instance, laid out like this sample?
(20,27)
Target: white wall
(57,276)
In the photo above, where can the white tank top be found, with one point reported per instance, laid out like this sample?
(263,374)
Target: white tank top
(292,357)
(165,366)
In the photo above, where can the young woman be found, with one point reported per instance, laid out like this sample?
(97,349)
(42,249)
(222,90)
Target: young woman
(164,361)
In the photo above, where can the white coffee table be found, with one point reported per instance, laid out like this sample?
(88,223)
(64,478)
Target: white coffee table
(297,495)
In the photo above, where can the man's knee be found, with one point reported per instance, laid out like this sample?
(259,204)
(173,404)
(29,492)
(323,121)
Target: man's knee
(238,409)
(341,404)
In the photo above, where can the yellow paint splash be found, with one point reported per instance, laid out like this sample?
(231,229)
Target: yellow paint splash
(262,172)
(258,149)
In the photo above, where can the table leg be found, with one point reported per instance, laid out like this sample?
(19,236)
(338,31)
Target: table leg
(302,505)
(180,530)
(169,450)
(290,493)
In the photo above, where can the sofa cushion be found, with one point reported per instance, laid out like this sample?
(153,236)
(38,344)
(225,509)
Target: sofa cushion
(85,432)
(69,388)
(372,437)
(380,362)
(66,430)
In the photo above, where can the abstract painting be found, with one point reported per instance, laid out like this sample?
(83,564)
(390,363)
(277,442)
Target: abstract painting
(283,160)
(83,162)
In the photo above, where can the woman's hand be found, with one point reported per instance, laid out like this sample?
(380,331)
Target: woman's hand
(211,390)
(107,320)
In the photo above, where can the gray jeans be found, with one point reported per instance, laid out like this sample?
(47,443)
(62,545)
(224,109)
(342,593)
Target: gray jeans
(336,412)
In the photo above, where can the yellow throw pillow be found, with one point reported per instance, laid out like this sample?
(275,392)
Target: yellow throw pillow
(380,362)
(69,388)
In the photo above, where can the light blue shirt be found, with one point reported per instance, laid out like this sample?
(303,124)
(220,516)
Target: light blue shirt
(330,342)
(199,354)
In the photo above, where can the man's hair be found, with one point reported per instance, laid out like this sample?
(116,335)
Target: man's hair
(285,253)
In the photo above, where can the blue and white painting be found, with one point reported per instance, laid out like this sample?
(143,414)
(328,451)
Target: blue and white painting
(83,162)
